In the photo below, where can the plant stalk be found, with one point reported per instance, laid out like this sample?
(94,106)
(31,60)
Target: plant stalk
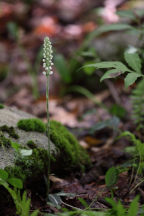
(48,132)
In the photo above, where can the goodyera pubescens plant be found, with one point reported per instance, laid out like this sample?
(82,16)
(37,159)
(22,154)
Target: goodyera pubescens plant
(47,65)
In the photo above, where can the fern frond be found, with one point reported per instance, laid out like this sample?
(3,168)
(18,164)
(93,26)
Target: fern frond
(138,105)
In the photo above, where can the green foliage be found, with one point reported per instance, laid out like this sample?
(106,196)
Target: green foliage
(3,174)
(85,92)
(85,54)
(111,177)
(133,60)
(138,151)
(131,78)
(72,155)
(1,106)
(30,165)
(78,213)
(32,124)
(137,99)
(137,142)
(133,210)
(4,142)
(10,130)
(15,182)
(62,67)
(118,111)
(119,210)
(118,68)
(25,206)
(22,204)
(110,123)
(101,30)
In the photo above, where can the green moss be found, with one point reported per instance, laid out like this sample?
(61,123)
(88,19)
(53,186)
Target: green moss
(31,144)
(16,171)
(5,142)
(30,166)
(10,130)
(72,155)
(1,106)
(32,124)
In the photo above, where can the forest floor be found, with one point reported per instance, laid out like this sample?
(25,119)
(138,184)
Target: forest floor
(23,27)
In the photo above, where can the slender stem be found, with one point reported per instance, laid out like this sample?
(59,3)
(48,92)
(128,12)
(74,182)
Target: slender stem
(48,130)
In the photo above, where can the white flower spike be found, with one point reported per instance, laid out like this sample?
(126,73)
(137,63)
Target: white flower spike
(47,57)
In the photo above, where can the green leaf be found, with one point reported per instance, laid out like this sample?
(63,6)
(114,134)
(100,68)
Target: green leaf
(62,68)
(89,70)
(127,13)
(133,59)
(113,27)
(3,174)
(110,64)
(16,182)
(133,210)
(131,78)
(119,68)
(120,209)
(55,199)
(111,123)
(111,177)
(110,74)
(35,213)
(83,202)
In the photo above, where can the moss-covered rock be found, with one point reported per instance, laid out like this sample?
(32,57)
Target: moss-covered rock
(71,154)
(10,130)
(66,153)
(32,166)
(4,142)
(31,144)
(32,124)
